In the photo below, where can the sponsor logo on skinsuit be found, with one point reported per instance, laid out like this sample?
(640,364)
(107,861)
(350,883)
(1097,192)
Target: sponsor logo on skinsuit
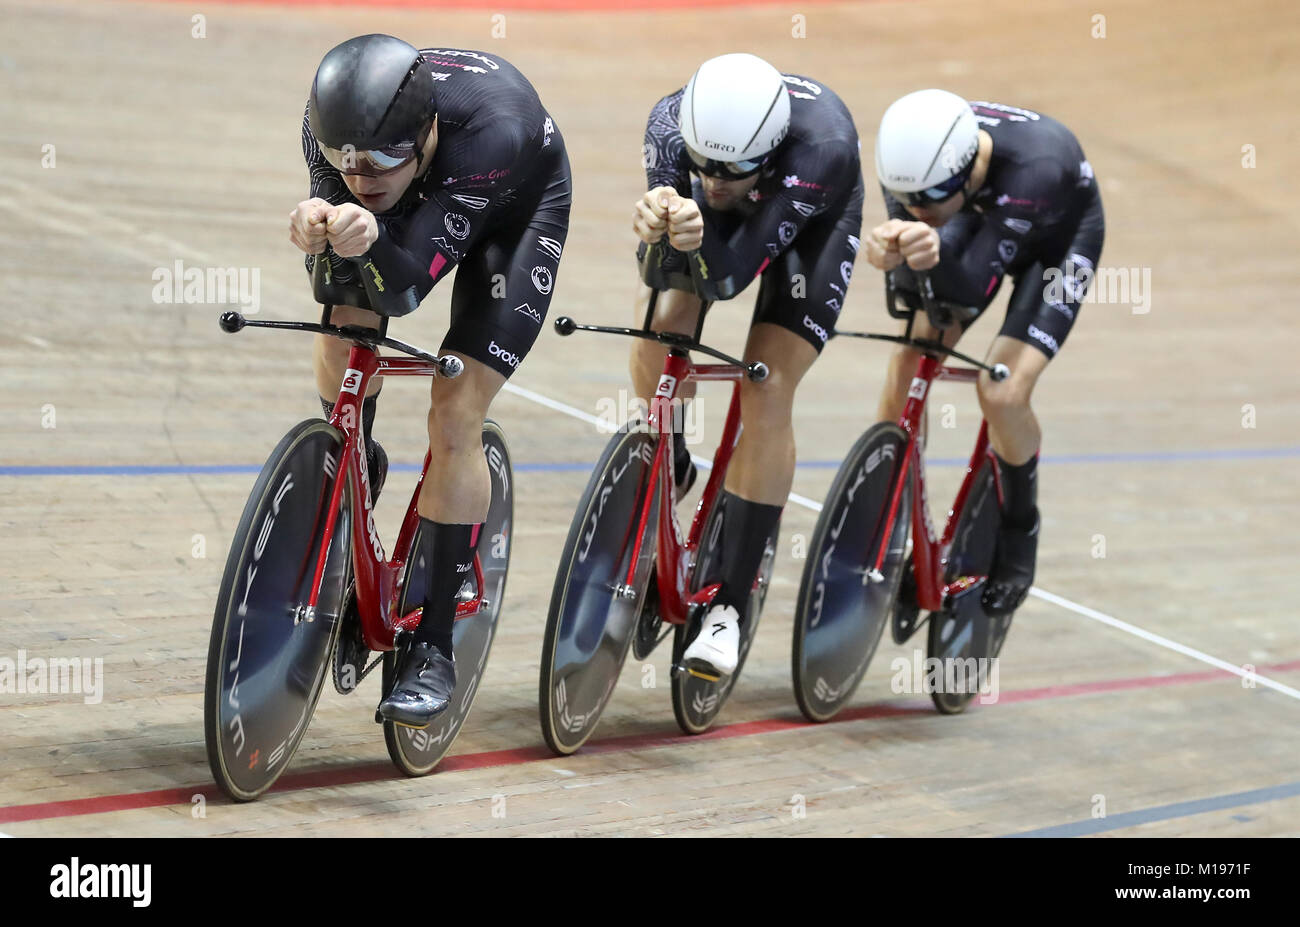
(1043,338)
(816,329)
(506,356)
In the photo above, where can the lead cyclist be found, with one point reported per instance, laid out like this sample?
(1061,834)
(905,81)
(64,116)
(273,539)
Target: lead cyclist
(421,162)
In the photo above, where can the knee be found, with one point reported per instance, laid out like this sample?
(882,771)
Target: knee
(998,399)
(645,355)
(768,404)
(453,427)
(333,353)
(902,364)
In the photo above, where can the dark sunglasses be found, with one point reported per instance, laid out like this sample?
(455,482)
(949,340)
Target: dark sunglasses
(930,196)
(729,170)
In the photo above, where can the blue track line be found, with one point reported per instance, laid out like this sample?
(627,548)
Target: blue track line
(1180,809)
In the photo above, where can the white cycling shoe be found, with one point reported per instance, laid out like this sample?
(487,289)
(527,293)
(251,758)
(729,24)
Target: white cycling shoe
(716,649)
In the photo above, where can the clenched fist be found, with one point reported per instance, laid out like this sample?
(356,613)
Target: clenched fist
(351,230)
(661,211)
(893,242)
(307,225)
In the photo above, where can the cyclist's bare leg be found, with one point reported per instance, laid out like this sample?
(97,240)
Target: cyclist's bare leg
(330,354)
(902,367)
(762,468)
(757,485)
(1015,436)
(675,311)
(457,488)
(453,502)
(1013,428)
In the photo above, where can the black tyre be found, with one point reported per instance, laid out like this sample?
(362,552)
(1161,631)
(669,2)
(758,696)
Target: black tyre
(590,625)
(417,751)
(267,659)
(841,612)
(697,701)
(961,636)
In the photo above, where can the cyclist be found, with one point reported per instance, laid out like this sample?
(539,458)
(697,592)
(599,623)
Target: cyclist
(977,192)
(422,161)
(777,194)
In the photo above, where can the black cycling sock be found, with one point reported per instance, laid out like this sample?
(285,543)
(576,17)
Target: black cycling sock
(448,552)
(681,453)
(368,406)
(1019,492)
(745,528)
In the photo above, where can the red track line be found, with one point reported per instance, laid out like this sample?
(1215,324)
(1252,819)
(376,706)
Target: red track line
(498,6)
(376,772)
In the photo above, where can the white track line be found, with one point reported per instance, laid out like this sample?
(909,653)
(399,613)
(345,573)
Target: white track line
(1043,594)
(541,400)
(1162,641)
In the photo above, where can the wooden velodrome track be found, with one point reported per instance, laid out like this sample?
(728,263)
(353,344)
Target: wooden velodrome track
(1121,682)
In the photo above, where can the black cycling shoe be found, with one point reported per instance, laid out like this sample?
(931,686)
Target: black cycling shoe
(377,465)
(423,690)
(1013,569)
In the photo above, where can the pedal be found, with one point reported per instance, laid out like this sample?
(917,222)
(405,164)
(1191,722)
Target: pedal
(679,669)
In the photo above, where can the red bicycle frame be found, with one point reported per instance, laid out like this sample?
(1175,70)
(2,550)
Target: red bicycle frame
(929,553)
(378,581)
(675,556)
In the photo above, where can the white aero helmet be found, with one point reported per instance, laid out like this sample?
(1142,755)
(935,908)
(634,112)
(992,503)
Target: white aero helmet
(735,111)
(926,146)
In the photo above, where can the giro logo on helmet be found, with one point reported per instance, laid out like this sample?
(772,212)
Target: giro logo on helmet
(926,147)
(734,107)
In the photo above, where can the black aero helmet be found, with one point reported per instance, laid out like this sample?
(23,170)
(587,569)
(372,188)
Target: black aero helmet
(371,104)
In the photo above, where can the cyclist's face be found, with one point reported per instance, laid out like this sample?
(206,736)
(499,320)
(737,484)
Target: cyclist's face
(937,214)
(381,193)
(723,194)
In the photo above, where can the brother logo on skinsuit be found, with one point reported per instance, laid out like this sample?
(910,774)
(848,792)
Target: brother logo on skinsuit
(103,880)
(816,329)
(497,351)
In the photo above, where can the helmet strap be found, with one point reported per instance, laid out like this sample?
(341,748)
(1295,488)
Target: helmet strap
(420,143)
